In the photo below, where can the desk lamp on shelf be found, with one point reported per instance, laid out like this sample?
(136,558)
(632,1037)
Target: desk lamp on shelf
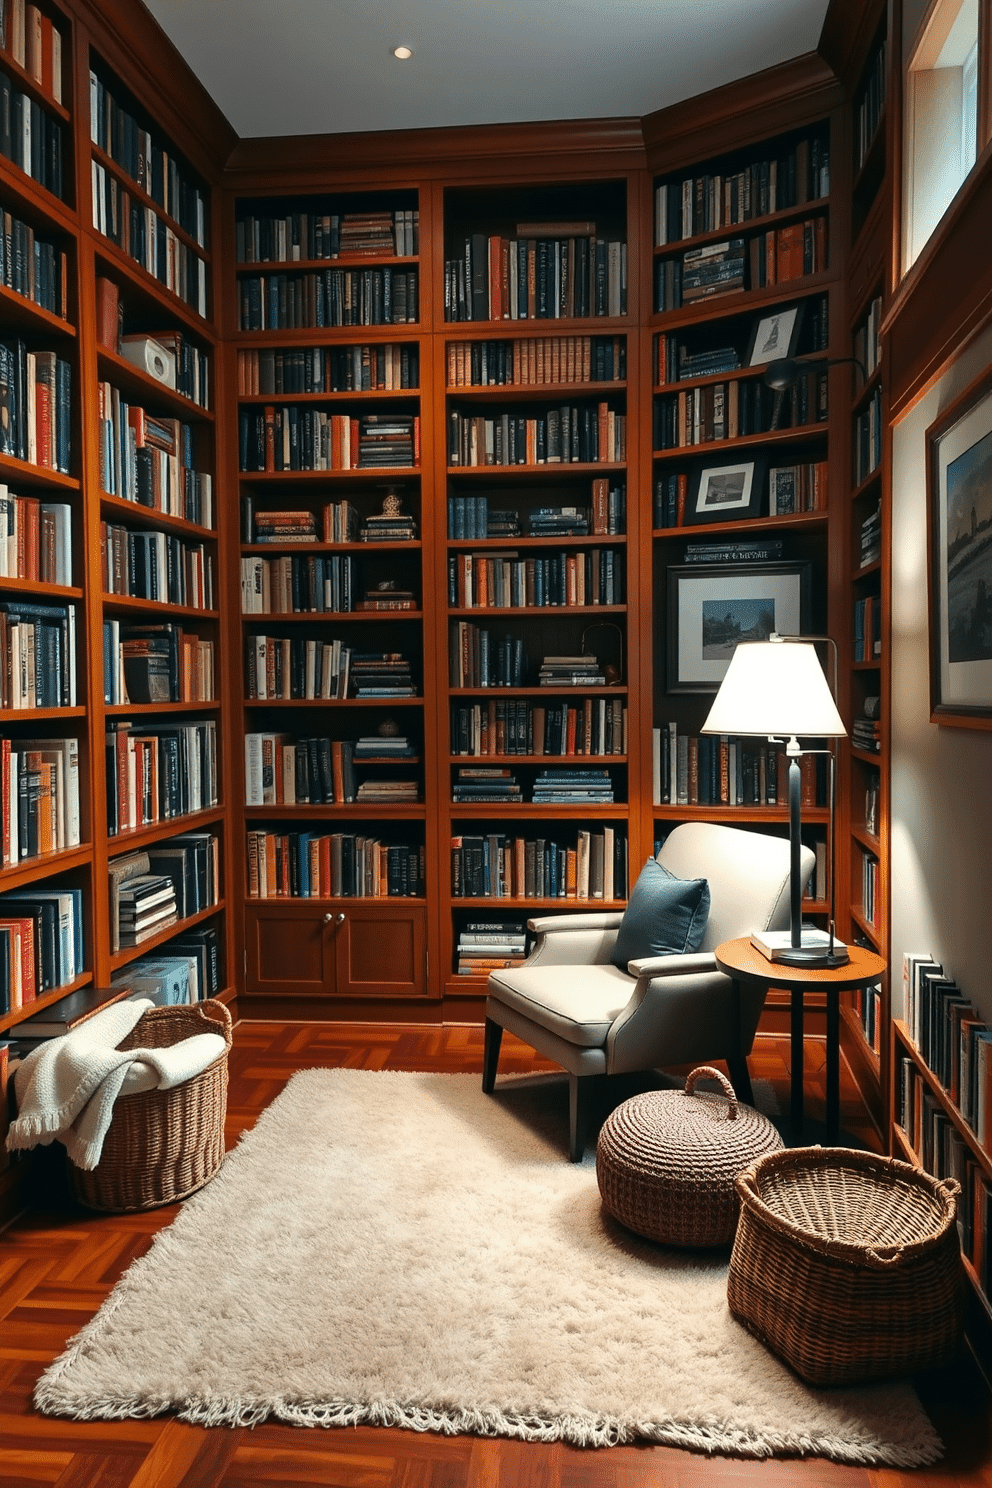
(776,689)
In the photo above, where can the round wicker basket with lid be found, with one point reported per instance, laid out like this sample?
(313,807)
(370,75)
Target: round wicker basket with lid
(667,1160)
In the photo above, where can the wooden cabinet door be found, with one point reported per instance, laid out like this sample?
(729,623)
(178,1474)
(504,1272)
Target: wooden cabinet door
(352,949)
(382,952)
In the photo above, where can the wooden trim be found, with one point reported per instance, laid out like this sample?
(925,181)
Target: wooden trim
(848,29)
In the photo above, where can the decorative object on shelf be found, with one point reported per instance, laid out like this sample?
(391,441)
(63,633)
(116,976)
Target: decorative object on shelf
(724,493)
(612,670)
(392,504)
(711,607)
(829,1237)
(776,688)
(666,1161)
(775,335)
(959,542)
(388,729)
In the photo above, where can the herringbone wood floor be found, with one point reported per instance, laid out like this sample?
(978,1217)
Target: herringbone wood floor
(57,1264)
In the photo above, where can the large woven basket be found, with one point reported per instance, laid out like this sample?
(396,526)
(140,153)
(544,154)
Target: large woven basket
(847,1265)
(163,1144)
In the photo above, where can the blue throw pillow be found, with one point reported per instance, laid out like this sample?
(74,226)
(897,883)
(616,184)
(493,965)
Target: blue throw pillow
(665,916)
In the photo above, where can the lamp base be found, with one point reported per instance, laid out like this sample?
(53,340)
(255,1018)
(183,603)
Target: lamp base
(812,957)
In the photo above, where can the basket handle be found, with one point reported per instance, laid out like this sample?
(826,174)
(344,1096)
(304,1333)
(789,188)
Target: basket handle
(706,1071)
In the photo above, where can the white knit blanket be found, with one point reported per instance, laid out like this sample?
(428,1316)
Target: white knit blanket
(66,1087)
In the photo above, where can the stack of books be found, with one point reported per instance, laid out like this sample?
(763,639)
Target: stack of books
(146,904)
(871,538)
(504,523)
(378,746)
(866,734)
(340,522)
(370,234)
(487,945)
(381,674)
(386,597)
(714,269)
(559,521)
(386,439)
(284,527)
(573,786)
(571,671)
(387,792)
(479,783)
(387,527)
(707,363)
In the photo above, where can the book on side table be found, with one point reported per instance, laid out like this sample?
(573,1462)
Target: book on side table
(772,943)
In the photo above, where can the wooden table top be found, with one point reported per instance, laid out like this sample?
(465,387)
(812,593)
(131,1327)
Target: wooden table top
(739,958)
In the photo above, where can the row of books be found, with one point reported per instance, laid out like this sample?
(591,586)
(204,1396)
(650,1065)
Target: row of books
(139,231)
(41,943)
(34,42)
(332,865)
(676,363)
(477,784)
(148,459)
(297,584)
(333,297)
(954,1041)
(39,797)
(35,538)
(477,658)
(870,888)
(31,137)
(160,663)
(340,522)
(798,488)
(329,369)
(179,363)
(777,256)
(585,434)
(281,770)
(32,266)
(157,772)
(37,655)
(723,770)
(711,200)
(35,406)
(868,438)
(592,726)
(869,105)
(152,888)
(867,340)
(147,159)
(156,566)
(186,969)
(485,945)
(294,438)
(503,580)
(734,409)
(868,628)
(547,271)
(301,667)
(299,236)
(587,864)
(535,360)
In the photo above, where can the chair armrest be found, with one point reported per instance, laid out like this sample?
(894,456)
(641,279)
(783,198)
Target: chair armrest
(549,924)
(662,966)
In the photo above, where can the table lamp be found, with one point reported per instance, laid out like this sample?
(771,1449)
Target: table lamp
(776,689)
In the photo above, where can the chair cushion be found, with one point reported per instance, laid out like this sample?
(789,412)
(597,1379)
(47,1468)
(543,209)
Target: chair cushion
(579,1004)
(665,915)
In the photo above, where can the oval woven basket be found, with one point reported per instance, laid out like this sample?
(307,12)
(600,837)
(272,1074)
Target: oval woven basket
(163,1144)
(847,1265)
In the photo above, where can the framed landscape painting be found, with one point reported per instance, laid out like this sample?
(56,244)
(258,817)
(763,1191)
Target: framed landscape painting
(959,545)
(713,606)
(725,493)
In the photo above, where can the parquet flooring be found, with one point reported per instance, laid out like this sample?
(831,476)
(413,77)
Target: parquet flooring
(58,1263)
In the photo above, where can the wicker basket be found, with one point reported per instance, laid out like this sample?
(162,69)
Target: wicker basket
(666,1161)
(847,1265)
(163,1144)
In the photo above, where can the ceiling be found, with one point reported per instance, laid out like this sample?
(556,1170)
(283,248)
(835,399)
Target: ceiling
(283,67)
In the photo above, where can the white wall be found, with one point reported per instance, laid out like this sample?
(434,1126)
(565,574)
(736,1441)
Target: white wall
(941,793)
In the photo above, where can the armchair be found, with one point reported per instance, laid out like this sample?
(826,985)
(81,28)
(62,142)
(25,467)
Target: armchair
(572,1005)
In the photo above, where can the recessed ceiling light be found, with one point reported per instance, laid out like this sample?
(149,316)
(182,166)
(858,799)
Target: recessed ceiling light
(403,52)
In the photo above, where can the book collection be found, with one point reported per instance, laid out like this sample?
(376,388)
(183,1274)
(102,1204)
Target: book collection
(35,406)
(186,969)
(592,864)
(146,905)
(156,663)
(732,410)
(168,356)
(799,172)
(31,137)
(299,236)
(868,438)
(143,235)
(549,270)
(477,785)
(280,770)
(477,658)
(571,671)
(870,550)
(866,730)
(192,861)
(572,434)
(536,360)
(159,771)
(867,628)
(149,460)
(333,865)
(870,888)
(505,581)
(152,889)
(593,726)
(797,488)
(676,363)
(32,266)
(867,342)
(300,667)
(298,584)
(333,297)
(721,770)
(35,539)
(294,438)
(472,518)
(486,945)
(35,43)
(39,805)
(37,655)
(329,369)
(573,787)
(870,106)
(41,943)
(388,526)
(156,566)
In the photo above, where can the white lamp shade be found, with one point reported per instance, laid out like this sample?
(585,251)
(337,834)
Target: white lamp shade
(774,689)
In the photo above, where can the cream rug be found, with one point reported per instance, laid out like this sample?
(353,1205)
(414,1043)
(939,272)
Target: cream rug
(402,1250)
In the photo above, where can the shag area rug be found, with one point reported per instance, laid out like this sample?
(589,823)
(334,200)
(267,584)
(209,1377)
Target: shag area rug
(402,1250)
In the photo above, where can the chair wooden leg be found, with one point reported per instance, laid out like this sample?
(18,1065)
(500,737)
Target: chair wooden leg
(578,1116)
(490,1055)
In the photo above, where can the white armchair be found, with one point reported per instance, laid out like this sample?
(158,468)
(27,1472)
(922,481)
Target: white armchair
(571,1004)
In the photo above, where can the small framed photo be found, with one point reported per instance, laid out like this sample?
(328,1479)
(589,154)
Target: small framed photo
(959,551)
(713,606)
(775,335)
(725,493)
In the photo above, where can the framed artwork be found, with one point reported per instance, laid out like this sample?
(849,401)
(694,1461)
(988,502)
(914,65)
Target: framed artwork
(712,606)
(725,493)
(959,552)
(775,335)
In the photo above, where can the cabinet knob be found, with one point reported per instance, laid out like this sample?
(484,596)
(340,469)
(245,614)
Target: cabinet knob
(338,919)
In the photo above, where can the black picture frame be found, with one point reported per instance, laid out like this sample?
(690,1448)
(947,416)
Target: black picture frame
(959,559)
(775,335)
(755,598)
(728,492)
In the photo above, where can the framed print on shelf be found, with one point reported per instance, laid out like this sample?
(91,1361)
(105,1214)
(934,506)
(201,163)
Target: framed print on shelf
(959,553)
(712,606)
(726,493)
(775,335)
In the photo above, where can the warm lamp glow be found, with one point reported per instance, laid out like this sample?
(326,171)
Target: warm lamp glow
(775,689)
